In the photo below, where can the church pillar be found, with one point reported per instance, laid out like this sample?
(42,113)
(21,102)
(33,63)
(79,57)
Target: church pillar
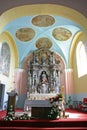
(20,81)
(20,86)
(69,82)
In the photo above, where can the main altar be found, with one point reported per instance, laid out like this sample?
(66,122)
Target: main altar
(43,80)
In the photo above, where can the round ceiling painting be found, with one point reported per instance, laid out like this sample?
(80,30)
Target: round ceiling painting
(61,34)
(43,43)
(25,34)
(43,20)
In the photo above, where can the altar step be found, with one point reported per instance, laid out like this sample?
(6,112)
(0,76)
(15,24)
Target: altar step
(44,124)
(30,128)
(69,123)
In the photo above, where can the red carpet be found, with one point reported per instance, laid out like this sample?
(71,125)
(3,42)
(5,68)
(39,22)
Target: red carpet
(76,120)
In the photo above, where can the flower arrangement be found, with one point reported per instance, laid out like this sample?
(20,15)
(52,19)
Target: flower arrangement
(11,117)
(58,97)
(53,113)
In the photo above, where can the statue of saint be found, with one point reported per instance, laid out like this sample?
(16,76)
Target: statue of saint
(44,82)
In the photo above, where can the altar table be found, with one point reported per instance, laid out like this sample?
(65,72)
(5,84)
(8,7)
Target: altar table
(39,108)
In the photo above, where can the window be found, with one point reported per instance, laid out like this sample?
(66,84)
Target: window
(81,57)
(4,59)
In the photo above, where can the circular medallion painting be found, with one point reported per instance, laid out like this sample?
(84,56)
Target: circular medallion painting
(43,43)
(25,34)
(61,34)
(43,20)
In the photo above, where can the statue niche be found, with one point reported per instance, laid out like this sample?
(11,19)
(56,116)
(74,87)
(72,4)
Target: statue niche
(43,72)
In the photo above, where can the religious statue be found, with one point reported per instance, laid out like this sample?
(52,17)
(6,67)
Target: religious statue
(44,83)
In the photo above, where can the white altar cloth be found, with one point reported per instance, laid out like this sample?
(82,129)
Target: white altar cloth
(38,103)
(41,96)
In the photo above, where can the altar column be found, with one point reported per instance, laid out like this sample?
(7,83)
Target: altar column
(69,82)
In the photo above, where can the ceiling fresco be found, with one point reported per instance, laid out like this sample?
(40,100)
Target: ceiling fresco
(25,34)
(43,43)
(37,31)
(43,20)
(61,34)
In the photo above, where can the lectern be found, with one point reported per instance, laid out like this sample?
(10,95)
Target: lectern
(11,101)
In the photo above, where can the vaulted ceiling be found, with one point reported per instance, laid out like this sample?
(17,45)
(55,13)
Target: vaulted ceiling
(42,28)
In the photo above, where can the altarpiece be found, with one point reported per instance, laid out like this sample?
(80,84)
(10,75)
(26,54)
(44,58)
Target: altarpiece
(43,73)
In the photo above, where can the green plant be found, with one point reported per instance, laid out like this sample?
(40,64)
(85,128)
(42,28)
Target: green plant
(69,102)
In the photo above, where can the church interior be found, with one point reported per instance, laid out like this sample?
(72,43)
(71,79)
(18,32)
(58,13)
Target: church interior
(43,55)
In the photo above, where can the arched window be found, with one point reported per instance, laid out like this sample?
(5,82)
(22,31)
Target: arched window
(4,59)
(81,57)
